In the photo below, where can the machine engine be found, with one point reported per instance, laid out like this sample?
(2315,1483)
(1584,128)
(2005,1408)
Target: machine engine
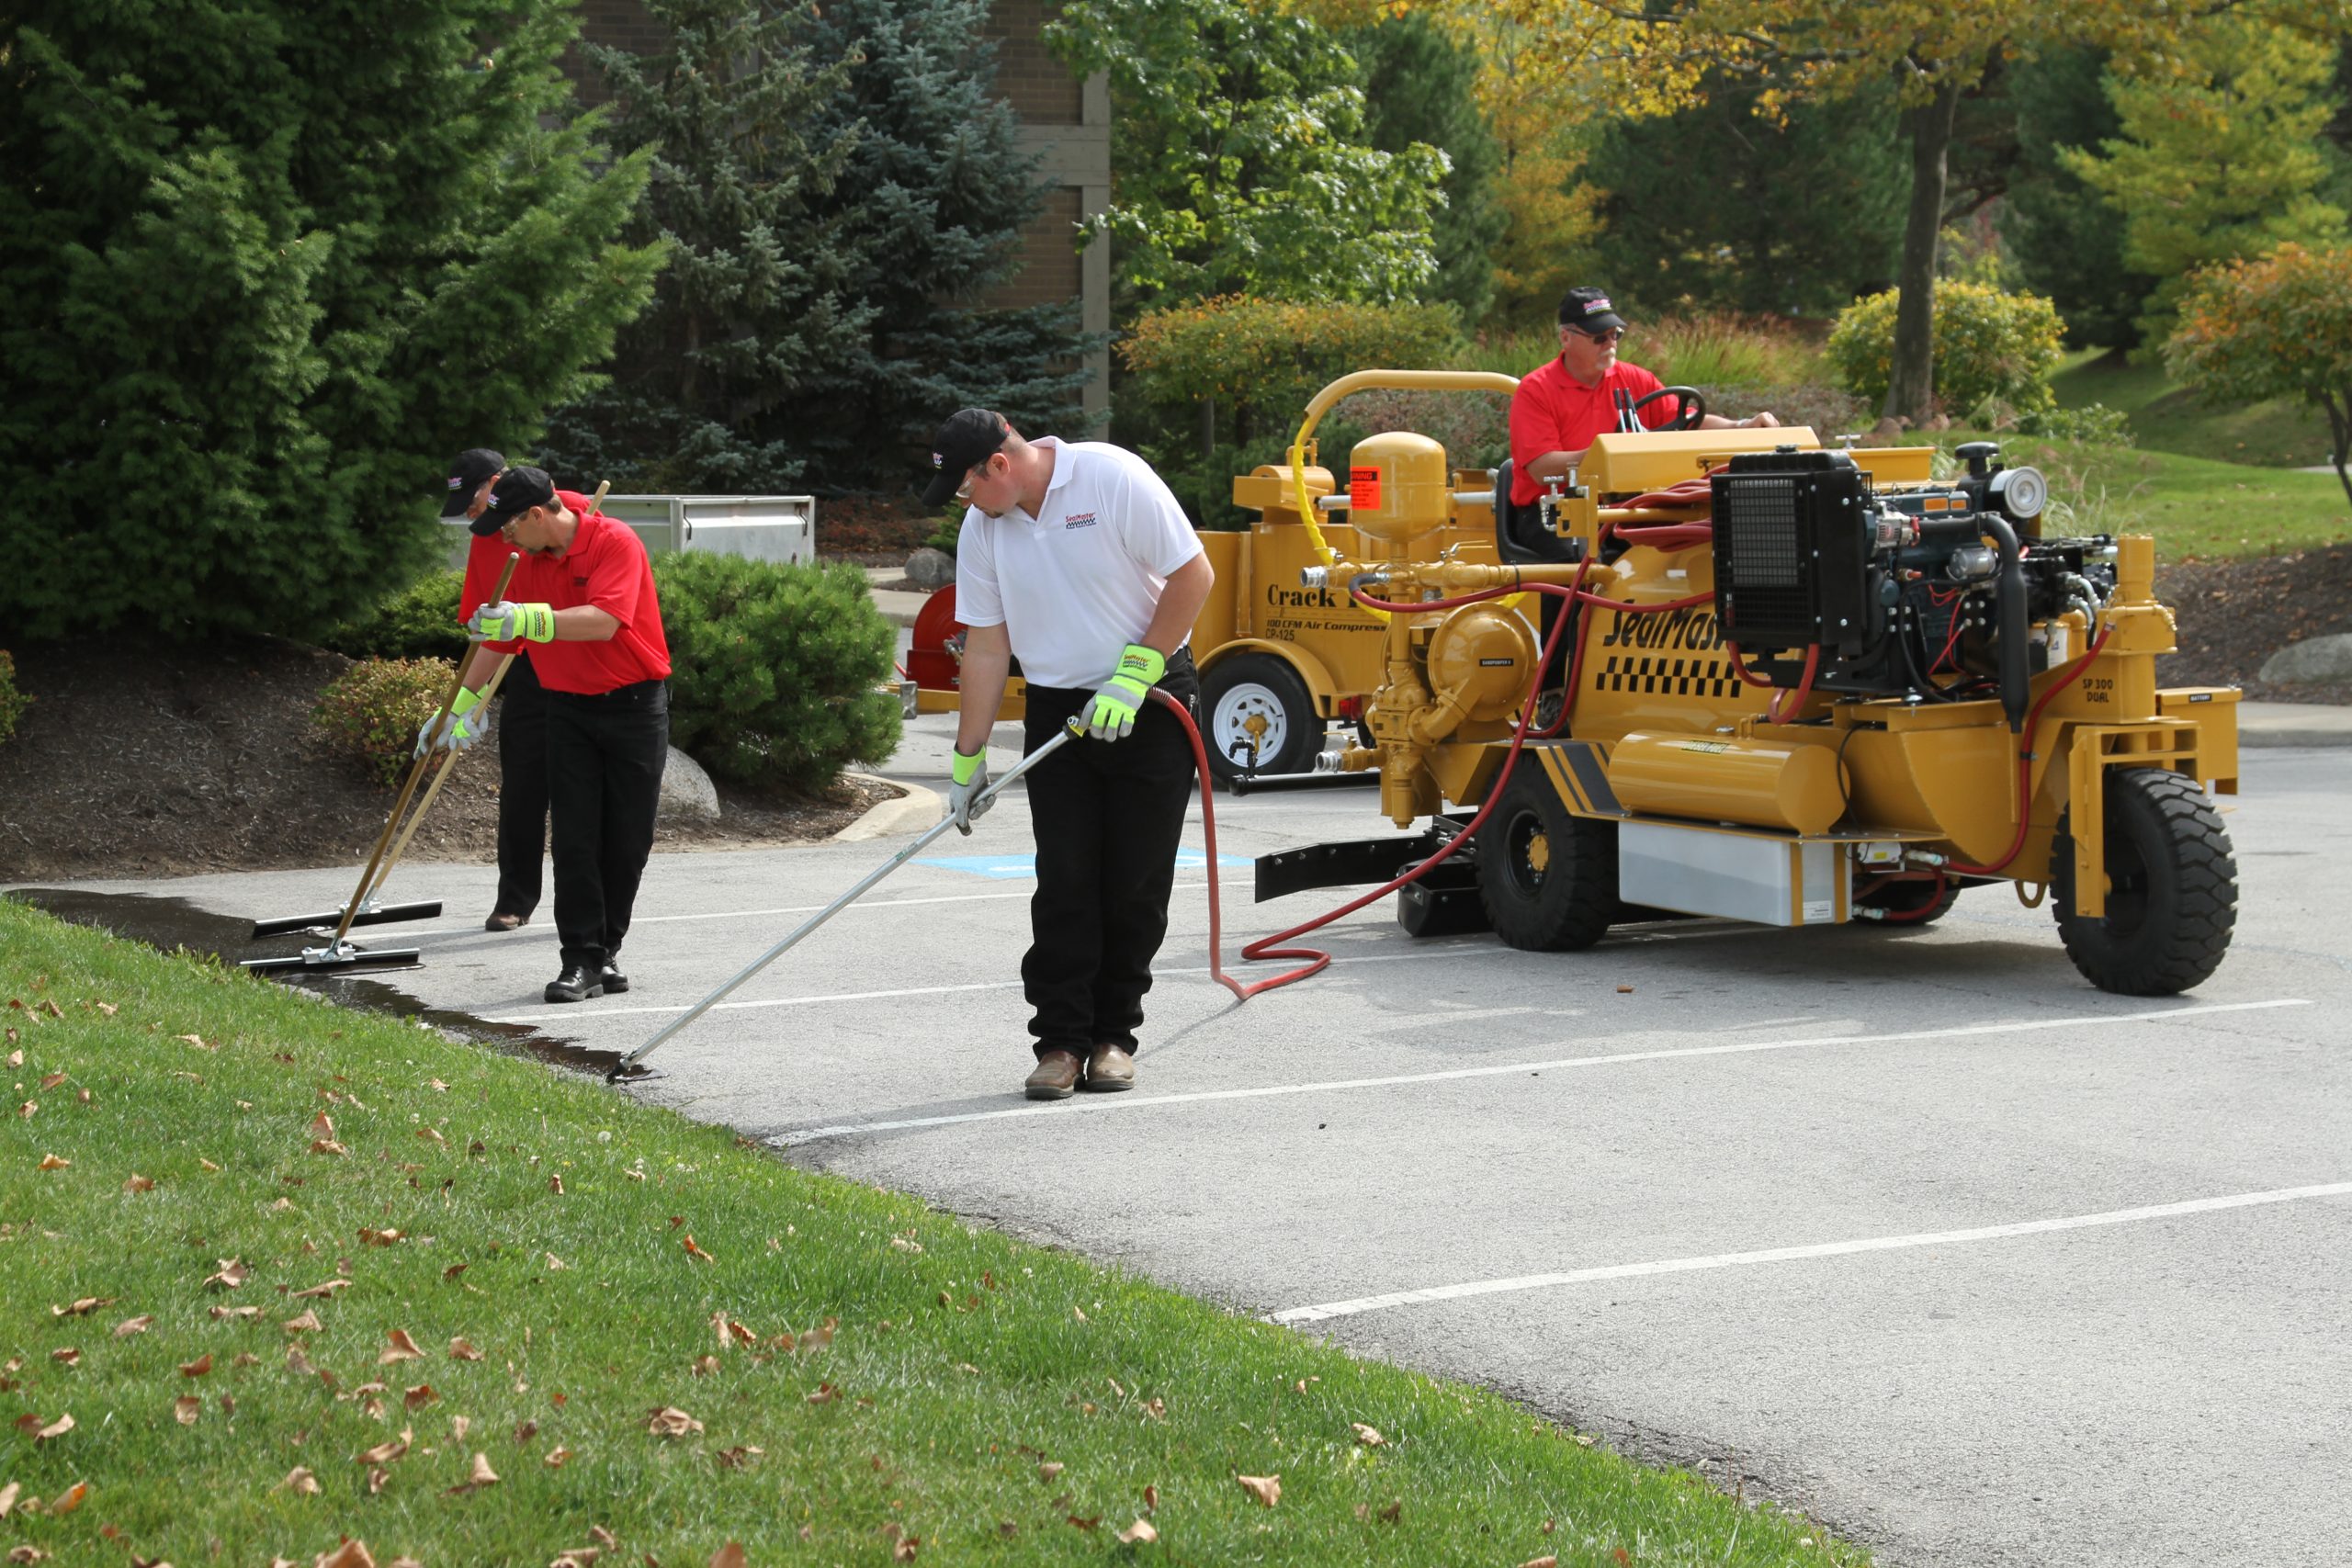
(1896,593)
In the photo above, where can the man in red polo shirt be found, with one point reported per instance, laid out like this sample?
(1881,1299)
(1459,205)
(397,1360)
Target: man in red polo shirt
(582,597)
(1560,407)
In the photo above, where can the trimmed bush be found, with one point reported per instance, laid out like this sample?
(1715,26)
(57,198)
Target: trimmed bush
(13,703)
(419,621)
(374,709)
(2093,424)
(777,671)
(1988,346)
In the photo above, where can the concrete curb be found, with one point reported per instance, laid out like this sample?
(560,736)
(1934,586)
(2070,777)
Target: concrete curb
(2293,724)
(911,813)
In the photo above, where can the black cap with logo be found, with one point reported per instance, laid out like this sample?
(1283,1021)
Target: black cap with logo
(1588,310)
(473,466)
(968,436)
(518,490)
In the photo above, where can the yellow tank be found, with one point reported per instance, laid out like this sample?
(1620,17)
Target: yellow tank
(1764,783)
(1398,486)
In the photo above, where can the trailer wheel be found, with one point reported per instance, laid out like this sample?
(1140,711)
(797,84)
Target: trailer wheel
(1548,878)
(2173,897)
(1258,695)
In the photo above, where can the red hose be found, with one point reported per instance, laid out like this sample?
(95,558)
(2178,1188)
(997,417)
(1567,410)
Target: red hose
(2025,761)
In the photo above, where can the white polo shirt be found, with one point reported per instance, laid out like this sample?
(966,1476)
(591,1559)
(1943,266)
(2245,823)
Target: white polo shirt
(1075,584)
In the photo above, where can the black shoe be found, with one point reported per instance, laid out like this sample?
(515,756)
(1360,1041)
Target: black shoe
(614,981)
(574,985)
(500,921)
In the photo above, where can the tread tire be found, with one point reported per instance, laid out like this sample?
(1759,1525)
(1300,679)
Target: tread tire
(1275,682)
(2174,895)
(1566,906)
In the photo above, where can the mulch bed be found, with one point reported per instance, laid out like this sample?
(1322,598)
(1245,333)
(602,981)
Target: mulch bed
(153,760)
(2234,614)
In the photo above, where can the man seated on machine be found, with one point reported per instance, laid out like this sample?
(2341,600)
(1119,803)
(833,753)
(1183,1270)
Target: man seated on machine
(1587,391)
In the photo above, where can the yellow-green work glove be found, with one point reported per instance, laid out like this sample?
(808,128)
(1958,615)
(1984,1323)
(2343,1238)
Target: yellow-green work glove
(456,727)
(1111,715)
(967,782)
(507,621)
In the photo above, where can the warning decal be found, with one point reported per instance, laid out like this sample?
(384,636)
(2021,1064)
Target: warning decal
(1364,490)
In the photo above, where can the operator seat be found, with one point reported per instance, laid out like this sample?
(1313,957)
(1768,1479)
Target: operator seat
(1520,537)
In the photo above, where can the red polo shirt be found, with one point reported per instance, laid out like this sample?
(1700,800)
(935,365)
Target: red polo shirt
(1553,411)
(606,567)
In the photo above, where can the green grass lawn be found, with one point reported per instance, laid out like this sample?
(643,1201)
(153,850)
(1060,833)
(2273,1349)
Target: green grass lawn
(2196,509)
(2167,418)
(296,1274)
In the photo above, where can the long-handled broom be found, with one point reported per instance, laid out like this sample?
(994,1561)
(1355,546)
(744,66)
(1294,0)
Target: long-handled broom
(339,953)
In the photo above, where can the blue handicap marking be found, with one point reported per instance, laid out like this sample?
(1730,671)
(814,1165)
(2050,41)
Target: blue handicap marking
(1010,868)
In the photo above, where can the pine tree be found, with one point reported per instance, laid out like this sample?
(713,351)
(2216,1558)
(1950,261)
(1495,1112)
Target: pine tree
(2219,156)
(263,265)
(2068,243)
(838,187)
(1421,85)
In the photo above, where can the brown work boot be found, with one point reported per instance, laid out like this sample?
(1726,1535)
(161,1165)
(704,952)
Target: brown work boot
(1056,1075)
(1109,1070)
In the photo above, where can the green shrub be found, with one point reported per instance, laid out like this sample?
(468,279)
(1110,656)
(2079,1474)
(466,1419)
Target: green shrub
(777,669)
(374,709)
(1257,361)
(1988,346)
(2093,424)
(13,703)
(418,622)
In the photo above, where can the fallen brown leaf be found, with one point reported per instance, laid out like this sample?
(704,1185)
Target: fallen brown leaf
(704,1365)
(200,1159)
(826,1393)
(307,1322)
(50,1081)
(327,1146)
(71,1499)
(555,1185)
(1551,1560)
(526,1430)
(481,1476)
(1367,1436)
(83,1307)
(27,1555)
(377,1480)
(736,1458)
(1267,1489)
(109,1008)
(8,1498)
(328,1289)
(230,1274)
(351,1555)
(729,1556)
(378,1238)
(300,1364)
(197,1368)
(66,1357)
(50,1162)
(300,1482)
(197,1041)
(556,1457)
(386,1451)
(671,1422)
(555,1263)
(403,1348)
(411,1398)
(698,1253)
(218,1313)
(459,1350)
(187,1408)
(1050,1470)
(1140,1531)
(1086,1524)
(138,1183)
(433,1134)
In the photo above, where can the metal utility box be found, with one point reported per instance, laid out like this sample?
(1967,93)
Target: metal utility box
(1771,879)
(779,528)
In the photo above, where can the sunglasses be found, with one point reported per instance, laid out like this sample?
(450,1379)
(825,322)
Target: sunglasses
(1603,338)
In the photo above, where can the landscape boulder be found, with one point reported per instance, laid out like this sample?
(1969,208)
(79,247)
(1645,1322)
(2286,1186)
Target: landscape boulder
(2316,661)
(930,569)
(687,793)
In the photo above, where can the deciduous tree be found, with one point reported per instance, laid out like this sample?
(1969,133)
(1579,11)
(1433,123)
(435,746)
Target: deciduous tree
(2274,326)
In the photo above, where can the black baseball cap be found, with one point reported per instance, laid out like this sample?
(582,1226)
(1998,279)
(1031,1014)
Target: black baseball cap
(473,465)
(1588,310)
(517,491)
(968,436)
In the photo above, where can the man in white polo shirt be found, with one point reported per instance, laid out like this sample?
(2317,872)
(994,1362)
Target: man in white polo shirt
(1075,559)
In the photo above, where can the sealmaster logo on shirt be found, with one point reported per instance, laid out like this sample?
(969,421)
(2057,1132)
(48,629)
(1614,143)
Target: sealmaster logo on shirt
(1078,519)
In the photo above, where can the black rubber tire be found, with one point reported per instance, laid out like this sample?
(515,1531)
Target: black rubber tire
(1905,899)
(2173,897)
(1263,680)
(1563,904)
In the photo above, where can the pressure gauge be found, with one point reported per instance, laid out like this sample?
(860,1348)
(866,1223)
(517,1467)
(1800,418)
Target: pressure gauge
(2020,493)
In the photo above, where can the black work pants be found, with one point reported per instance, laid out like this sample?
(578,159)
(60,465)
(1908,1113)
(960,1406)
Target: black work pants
(1107,816)
(604,758)
(522,788)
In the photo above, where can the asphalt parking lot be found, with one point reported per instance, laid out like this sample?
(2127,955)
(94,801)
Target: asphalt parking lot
(1912,1229)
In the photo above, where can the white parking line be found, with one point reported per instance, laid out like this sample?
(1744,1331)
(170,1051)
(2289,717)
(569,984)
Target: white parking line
(1096,1104)
(1326,1311)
